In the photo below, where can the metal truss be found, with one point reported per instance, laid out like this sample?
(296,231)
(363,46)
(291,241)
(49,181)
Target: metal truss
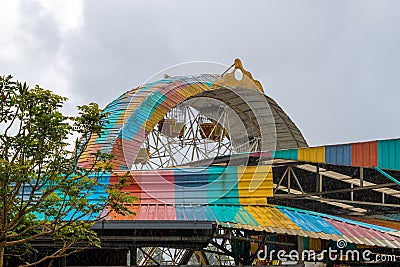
(335,186)
(227,247)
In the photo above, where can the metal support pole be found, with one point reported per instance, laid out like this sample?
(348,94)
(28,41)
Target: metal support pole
(132,253)
(317,178)
(297,180)
(352,192)
(387,175)
(320,183)
(289,178)
(361,176)
(280,180)
(300,248)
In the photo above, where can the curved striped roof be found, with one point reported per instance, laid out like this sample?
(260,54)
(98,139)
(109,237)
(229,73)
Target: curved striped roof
(136,112)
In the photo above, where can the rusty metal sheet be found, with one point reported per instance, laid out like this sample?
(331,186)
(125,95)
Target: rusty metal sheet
(364,154)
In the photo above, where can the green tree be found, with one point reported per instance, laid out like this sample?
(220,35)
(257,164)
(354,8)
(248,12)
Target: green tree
(43,191)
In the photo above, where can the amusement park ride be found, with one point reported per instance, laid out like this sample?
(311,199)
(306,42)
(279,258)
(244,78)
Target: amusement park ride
(221,172)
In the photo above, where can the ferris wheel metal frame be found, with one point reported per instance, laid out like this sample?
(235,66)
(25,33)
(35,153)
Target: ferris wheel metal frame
(186,134)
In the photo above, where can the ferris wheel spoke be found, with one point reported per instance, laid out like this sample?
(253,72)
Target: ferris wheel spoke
(157,148)
(204,153)
(175,150)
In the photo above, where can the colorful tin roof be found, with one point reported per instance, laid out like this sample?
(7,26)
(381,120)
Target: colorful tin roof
(384,154)
(271,219)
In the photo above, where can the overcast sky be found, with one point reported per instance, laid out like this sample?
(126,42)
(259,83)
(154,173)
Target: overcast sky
(333,66)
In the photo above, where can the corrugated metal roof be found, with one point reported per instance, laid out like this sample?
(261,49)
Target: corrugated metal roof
(384,222)
(310,222)
(382,153)
(217,185)
(272,219)
(389,154)
(367,236)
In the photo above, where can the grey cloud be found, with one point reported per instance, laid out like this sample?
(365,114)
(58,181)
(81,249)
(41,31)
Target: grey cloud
(36,40)
(332,65)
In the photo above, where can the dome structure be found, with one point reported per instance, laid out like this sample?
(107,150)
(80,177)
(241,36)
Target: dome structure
(145,120)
